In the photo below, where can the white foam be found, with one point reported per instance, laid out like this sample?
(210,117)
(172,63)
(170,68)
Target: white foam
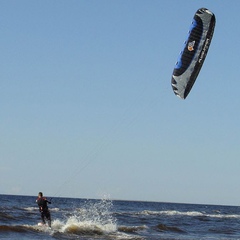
(189,213)
(92,217)
(31,209)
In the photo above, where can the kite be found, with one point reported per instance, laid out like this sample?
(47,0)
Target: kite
(194,53)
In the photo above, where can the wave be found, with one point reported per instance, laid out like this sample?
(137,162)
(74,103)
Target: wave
(72,226)
(132,229)
(189,213)
(163,228)
(14,228)
(225,231)
(88,228)
(93,218)
(33,209)
(5,216)
(75,226)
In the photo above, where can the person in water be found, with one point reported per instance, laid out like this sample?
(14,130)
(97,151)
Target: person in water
(43,208)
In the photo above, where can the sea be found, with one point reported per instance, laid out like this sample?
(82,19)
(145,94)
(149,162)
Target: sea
(96,219)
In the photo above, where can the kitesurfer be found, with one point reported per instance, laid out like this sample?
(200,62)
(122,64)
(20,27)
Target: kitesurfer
(43,208)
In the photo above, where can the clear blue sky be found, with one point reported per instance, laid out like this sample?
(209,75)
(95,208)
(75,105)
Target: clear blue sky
(87,107)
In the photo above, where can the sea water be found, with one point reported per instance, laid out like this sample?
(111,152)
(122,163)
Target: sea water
(108,219)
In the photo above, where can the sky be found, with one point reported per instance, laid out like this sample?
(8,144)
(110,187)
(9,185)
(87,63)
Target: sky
(87,108)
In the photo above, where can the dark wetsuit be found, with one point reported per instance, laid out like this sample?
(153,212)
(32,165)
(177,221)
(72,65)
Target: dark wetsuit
(43,209)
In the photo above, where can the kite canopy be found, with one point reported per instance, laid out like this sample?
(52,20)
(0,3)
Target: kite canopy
(194,53)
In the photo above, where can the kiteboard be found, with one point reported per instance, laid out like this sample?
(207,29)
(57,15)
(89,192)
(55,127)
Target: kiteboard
(43,225)
(195,50)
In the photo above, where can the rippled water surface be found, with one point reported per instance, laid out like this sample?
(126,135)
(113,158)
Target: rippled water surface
(106,219)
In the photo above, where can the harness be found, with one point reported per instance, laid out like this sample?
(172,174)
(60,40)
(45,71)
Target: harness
(42,203)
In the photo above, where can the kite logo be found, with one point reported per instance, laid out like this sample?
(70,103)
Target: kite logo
(191,45)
